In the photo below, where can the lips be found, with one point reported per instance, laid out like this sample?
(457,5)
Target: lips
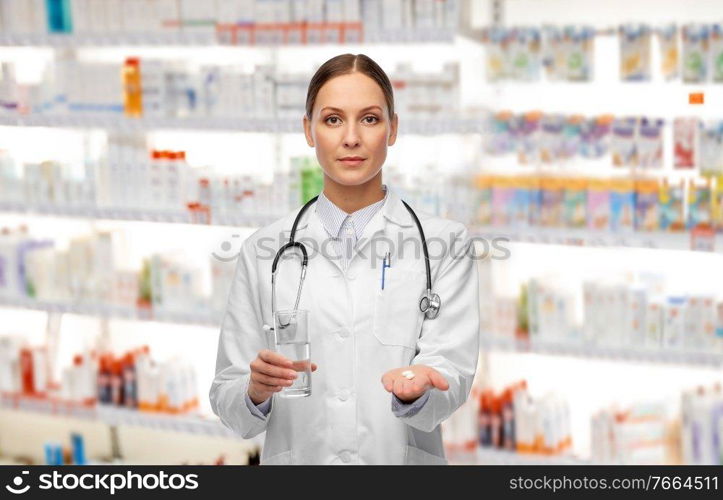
(352,161)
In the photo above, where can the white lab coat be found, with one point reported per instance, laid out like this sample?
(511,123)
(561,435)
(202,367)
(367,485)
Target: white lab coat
(358,332)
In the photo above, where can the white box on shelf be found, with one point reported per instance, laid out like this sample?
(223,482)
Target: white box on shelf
(79,11)
(248,11)
(315,11)
(125,288)
(105,248)
(263,88)
(451,14)
(40,369)
(424,14)
(123,16)
(617,322)
(635,317)
(408,20)
(98,16)
(153,88)
(264,11)
(10,364)
(198,16)
(504,319)
(654,320)
(9,265)
(222,273)
(167,14)
(334,11)
(38,20)
(298,11)
(533,306)
(591,311)
(352,11)
(439,12)
(699,322)
(229,12)
(16,21)
(674,322)
(136,16)
(280,11)
(392,15)
(371,15)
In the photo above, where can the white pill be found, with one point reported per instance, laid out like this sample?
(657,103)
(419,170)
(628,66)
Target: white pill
(408,374)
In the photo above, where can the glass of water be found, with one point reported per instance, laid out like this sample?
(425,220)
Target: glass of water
(291,339)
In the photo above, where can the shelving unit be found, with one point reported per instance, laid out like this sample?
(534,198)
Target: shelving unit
(193,39)
(490,456)
(697,359)
(487,342)
(514,95)
(113,416)
(590,238)
(537,235)
(441,125)
(172,38)
(139,215)
(112,312)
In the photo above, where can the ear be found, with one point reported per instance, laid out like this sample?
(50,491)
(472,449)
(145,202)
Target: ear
(393,133)
(307,131)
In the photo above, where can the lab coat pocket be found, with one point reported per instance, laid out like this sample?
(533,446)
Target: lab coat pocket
(416,456)
(397,318)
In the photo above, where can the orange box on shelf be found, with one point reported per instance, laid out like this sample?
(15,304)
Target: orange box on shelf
(696,98)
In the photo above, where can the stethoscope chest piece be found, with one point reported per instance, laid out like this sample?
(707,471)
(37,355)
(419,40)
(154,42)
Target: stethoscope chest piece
(430,304)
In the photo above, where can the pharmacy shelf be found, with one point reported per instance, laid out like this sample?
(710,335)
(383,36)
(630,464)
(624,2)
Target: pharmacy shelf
(426,35)
(569,237)
(591,238)
(208,38)
(190,424)
(112,311)
(124,124)
(132,214)
(698,359)
(171,38)
(490,456)
(436,126)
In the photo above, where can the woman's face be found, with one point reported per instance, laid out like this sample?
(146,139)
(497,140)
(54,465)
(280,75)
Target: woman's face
(351,128)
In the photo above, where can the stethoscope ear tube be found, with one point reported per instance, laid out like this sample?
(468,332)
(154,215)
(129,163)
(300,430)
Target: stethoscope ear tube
(424,245)
(291,244)
(304,262)
(430,303)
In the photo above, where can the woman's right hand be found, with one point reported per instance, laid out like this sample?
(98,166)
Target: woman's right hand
(270,373)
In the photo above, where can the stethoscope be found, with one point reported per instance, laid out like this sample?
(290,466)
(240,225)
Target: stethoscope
(429,304)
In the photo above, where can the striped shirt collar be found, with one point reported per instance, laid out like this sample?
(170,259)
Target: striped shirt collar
(333,217)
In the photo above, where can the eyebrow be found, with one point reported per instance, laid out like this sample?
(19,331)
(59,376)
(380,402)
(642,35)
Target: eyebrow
(332,108)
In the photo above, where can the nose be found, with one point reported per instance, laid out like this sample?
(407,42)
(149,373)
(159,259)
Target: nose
(351,136)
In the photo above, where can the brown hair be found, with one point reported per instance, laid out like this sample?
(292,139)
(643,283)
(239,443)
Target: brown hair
(345,64)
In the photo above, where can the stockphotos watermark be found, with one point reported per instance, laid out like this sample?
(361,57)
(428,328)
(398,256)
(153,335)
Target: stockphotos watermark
(477,248)
(110,483)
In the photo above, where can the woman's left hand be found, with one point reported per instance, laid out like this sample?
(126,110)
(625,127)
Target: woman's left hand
(408,389)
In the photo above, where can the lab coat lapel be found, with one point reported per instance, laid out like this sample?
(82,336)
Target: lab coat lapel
(388,221)
(318,241)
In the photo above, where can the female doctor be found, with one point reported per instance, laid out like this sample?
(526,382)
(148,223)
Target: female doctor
(390,362)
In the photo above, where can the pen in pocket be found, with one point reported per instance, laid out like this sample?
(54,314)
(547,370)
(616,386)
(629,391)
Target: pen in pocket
(387,262)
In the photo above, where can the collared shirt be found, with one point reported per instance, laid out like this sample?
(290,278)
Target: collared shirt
(346,229)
